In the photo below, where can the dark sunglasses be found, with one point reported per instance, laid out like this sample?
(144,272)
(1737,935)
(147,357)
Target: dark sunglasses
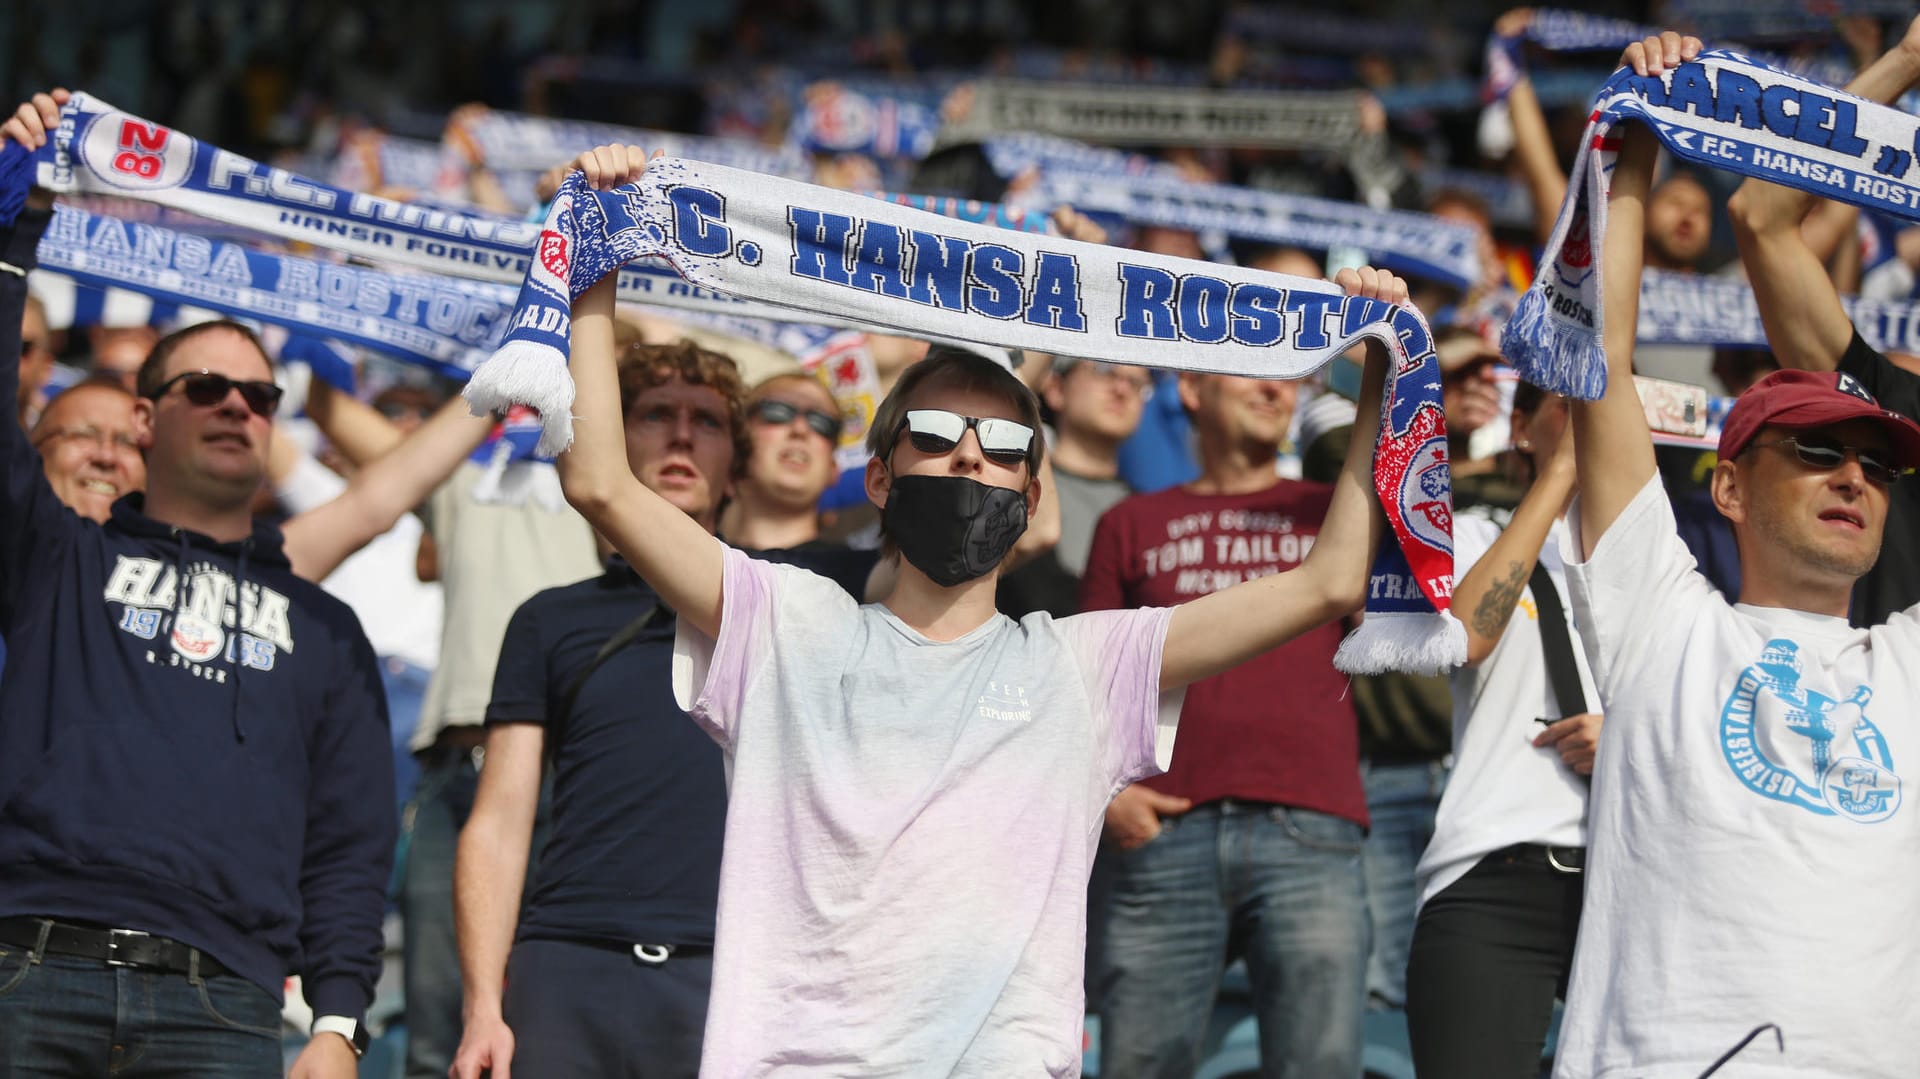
(936,431)
(780,413)
(1827,456)
(206,388)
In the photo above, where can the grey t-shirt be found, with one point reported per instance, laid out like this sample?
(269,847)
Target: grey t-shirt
(910,825)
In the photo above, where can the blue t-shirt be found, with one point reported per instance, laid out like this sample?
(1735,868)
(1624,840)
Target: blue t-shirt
(639,793)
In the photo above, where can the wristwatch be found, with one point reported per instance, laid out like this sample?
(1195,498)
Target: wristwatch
(351,1029)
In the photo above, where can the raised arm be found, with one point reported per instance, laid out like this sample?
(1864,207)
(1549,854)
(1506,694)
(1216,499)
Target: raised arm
(1488,592)
(34,526)
(1615,448)
(670,551)
(1532,140)
(1217,632)
(489,876)
(320,539)
(1799,306)
(356,429)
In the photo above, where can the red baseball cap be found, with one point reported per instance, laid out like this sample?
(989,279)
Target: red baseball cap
(1799,400)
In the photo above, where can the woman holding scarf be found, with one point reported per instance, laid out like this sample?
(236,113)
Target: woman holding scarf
(1500,883)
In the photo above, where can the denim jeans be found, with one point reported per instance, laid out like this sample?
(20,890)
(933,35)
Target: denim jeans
(1282,888)
(406,687)
(440,807)
(441,804)
(1401,800)
(67,1016)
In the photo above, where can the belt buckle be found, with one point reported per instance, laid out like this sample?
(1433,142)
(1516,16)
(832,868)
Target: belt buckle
(114,937)
(1555,862)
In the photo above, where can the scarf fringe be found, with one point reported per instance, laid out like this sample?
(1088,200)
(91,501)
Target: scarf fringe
(532,374)
(1425,643)
(1552,354)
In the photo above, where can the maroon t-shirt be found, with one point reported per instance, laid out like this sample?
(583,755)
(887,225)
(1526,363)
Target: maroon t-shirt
(1279,728)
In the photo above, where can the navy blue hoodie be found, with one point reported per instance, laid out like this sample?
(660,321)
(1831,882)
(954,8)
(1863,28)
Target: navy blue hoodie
(193,741)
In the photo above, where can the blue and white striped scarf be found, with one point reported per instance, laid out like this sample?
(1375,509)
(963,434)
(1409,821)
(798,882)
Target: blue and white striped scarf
(1722,111)
(806,248)
(1415,244)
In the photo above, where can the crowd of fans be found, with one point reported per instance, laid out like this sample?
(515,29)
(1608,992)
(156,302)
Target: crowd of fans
(650,762)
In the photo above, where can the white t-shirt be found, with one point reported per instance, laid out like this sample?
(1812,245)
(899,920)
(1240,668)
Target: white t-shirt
(400,613)
(493,556)
(1503,789)
(910,826)
(1750,858)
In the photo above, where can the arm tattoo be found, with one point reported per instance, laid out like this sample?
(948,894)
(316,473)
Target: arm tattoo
(1490,617)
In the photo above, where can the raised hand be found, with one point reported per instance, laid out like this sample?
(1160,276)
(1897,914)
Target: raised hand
(1660,52)
(30,123)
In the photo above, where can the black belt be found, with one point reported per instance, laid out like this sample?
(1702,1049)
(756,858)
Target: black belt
(114,947)
(654,954)
(1563,859)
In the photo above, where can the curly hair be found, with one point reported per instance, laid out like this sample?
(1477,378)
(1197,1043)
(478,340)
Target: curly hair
(644,366)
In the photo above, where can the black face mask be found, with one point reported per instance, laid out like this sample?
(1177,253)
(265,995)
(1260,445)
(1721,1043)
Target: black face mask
(951,528)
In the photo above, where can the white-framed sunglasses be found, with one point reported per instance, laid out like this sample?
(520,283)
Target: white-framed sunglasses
(936,431)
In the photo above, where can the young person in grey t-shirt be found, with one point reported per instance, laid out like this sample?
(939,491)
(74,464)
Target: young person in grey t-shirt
(916,786)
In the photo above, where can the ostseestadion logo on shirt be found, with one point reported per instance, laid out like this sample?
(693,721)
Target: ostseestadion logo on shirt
(218,625)
(1799,744)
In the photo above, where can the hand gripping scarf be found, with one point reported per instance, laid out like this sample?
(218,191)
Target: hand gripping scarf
(804,248)
(1723,111)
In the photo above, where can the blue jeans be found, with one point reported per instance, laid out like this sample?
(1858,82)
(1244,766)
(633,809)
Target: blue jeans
(440,807)
(441,804)
(67,1016)
(406,687)
(1281,887)
(1401,800)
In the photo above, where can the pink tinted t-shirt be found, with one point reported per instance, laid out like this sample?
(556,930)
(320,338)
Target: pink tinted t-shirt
(910,826)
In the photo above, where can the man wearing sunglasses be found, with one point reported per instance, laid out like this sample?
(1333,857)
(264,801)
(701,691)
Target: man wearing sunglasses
(1751,849)
(1810,331)
(916,785)
(196,791)
(1249,845)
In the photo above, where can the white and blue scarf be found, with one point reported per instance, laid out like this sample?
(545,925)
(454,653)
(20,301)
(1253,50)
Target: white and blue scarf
(100,150)
(515,142)
(1416,244)
(1689,309)
(1160,116)
(446,325)
(1720,110)
(806,248)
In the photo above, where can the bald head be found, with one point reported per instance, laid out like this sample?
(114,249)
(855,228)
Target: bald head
(88,447)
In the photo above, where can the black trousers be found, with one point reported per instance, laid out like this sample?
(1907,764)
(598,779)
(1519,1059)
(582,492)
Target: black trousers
(1490,954)
(579,1011)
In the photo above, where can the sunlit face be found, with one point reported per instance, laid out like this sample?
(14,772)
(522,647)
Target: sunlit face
(1471,395)
(1679,223)
(1165,241)
(791,463)
(1464,214)
(1240,410)
(1803,520)
(118,351)
(680,445)
(965,459)
(218,452)
(1539,431)
(89,450)
(1101,400)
